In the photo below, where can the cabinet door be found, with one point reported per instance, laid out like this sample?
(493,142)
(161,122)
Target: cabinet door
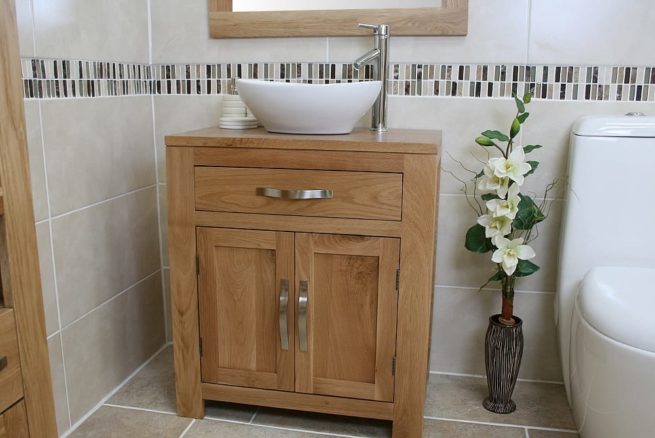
(346,315)
(245,292)
(13,423)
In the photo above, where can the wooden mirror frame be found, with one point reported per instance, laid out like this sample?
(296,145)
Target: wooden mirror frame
(450,19)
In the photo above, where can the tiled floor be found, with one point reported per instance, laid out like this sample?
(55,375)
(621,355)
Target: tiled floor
(145,408)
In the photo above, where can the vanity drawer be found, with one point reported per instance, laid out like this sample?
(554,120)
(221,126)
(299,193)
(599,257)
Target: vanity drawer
(11,383)
(357,195)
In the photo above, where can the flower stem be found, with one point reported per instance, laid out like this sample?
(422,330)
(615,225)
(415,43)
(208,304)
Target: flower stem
(507,311)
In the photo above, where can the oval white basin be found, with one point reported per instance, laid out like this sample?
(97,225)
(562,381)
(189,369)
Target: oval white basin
(308,108)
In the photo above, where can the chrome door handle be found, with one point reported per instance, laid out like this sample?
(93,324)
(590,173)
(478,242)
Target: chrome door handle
(284,304)
(302,315)
(3,362)
(295,194)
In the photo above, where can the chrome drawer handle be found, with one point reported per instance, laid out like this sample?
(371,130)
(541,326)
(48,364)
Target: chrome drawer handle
(284,304)
(302,315)
(295,194)
(3,362)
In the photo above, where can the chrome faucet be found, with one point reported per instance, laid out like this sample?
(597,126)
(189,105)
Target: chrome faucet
(379,57)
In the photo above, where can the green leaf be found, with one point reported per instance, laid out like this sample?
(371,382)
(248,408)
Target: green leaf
(519,105)
(525,268)
(527,97)
(528,214)
(529,148)
(523,117)
(497,135)
(484,141)
(516,127)
(489,196)
(498,276)
(476,241)
(534,165)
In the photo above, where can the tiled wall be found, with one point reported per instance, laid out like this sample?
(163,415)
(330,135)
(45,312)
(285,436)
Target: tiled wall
(98,165)
(94,179)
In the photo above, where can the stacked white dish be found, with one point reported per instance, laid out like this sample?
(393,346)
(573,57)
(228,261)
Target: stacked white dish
(236,114)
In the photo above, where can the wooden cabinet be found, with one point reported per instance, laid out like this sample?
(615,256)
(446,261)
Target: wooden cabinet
(26,400)
(302,270)
(13,422)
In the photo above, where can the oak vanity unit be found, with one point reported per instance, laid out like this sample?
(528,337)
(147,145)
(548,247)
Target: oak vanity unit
(302,270)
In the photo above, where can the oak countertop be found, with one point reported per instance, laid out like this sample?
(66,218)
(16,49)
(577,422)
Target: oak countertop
(403,141)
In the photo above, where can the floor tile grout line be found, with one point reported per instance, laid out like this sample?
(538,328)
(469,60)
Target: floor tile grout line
(487,423)
(254,415)
(269,426)
(527,434)
(481,376)
(137,408)
(184,432)
(120,386)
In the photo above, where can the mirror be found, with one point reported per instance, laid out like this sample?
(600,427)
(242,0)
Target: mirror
(327,5)
(303,18)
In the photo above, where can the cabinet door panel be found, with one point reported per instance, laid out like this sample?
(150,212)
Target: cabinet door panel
(242,276)
(13,423)
(351,315)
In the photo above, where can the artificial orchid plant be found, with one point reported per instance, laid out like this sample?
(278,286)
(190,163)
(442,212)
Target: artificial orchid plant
(505,225)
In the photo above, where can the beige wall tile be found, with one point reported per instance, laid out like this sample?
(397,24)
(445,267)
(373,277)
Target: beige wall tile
(96,149)
(456,266)
(550,125)
(25,27)
(180,33)
(592,32)
(47,277)
(105,346)
(175,114)
(58,383)
(92,29)
(461,121)
(104,249)
(35,151)
(461,317)
(497,32)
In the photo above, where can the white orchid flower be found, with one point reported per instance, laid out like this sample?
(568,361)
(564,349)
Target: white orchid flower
(490,182)
(513,167)
(506,207)
(509,253)
(495,226)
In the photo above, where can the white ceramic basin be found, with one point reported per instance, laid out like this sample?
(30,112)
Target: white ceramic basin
(308,108)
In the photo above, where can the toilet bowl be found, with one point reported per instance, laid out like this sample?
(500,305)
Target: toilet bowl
(612,355)
(605,301)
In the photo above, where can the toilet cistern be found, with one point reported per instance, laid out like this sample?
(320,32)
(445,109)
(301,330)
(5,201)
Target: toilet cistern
(379,58)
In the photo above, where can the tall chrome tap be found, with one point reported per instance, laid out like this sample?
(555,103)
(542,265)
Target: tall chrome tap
(379,58)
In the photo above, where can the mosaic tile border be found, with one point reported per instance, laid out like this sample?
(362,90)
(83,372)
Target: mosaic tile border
(56,78)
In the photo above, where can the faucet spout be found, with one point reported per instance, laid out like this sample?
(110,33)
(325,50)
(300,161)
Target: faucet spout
(379,58)
(366,58)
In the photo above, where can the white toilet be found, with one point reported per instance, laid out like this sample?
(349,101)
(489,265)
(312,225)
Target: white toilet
(605,308)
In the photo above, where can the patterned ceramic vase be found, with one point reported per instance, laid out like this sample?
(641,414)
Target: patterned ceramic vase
(502,357)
